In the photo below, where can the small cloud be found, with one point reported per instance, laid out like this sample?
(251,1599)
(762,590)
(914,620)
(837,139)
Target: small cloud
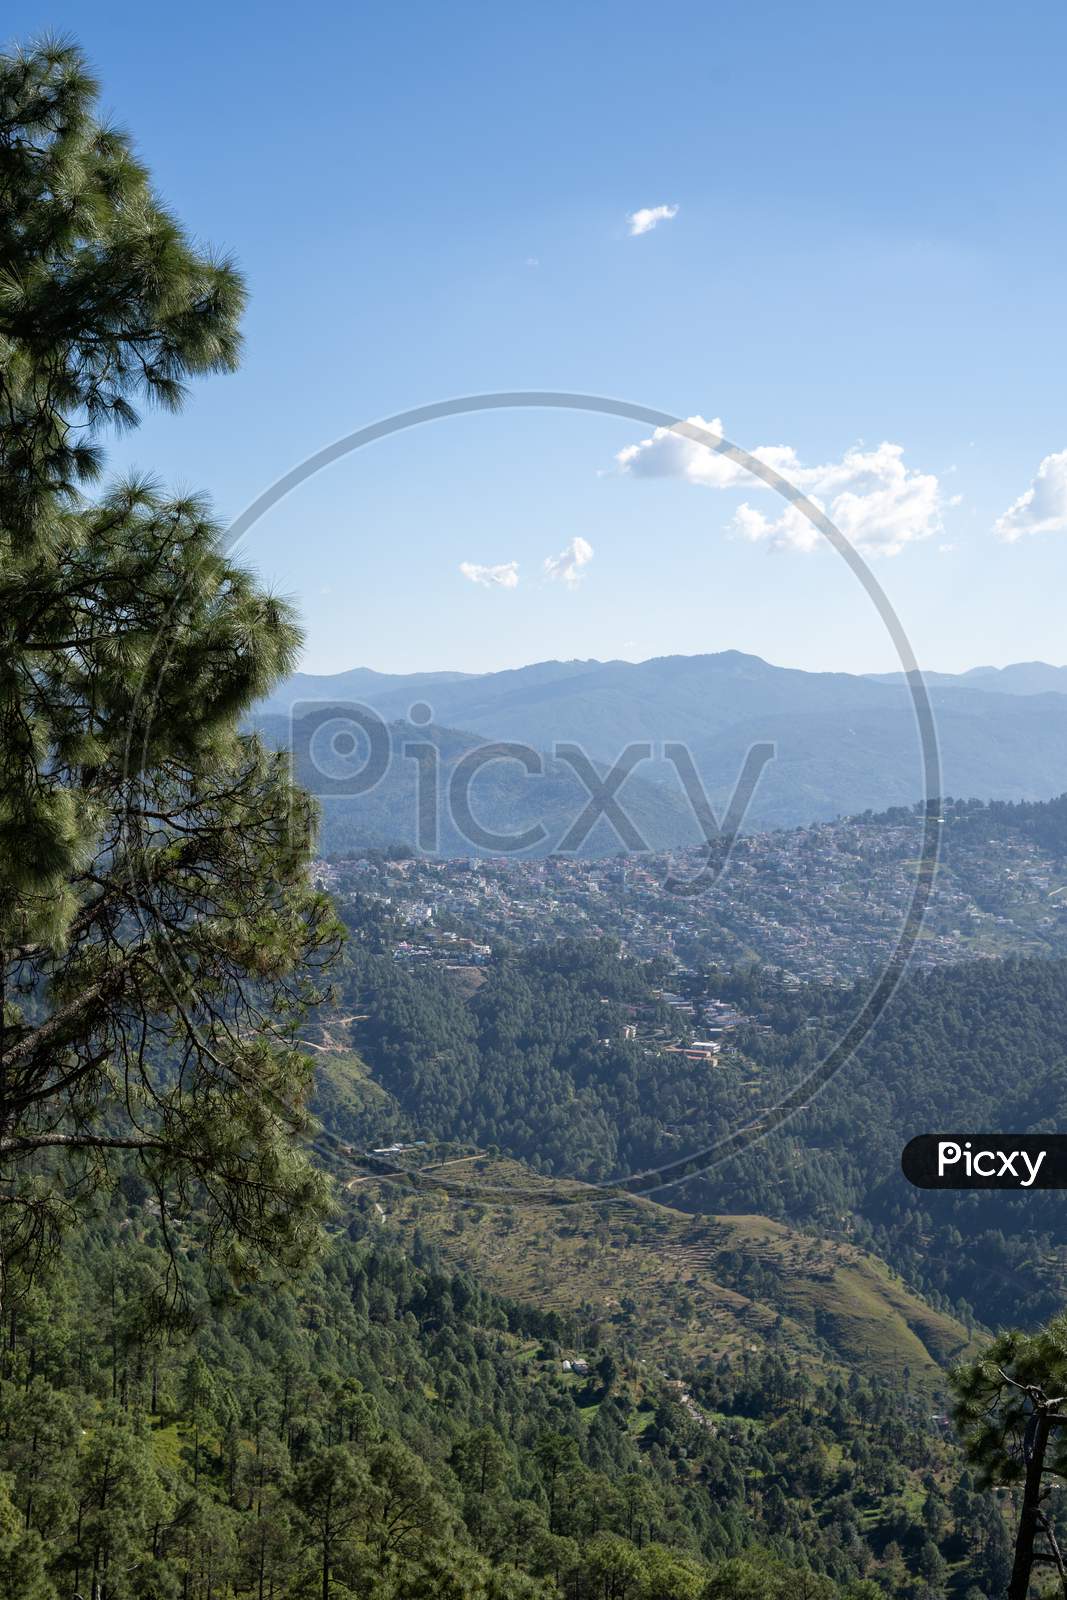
(568,564)
(648,217)
(533,261)
(945,549)
(503,576)
(1043,508)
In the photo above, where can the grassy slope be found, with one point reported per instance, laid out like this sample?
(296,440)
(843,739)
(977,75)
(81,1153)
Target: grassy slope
(664,1277)
(849,1297)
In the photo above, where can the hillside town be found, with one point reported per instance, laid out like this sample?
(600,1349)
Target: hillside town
(826,904)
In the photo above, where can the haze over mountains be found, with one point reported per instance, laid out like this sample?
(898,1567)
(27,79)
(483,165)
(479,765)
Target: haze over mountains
(1021,677)
(844,742)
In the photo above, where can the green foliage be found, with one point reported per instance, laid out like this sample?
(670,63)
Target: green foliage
(102,296)
(23,1568)
(386,1428)
(995,1396)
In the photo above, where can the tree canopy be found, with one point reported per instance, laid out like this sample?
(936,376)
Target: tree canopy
(158,934)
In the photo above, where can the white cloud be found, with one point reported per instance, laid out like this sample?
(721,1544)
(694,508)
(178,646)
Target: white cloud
(568,564)
(645,220)
(790,531)
(877,501)
(1043,508)
(503,576)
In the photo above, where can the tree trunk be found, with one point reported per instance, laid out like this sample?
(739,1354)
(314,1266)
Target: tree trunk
(1028,1523)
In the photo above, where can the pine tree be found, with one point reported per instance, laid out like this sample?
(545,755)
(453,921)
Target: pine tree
(328,1491)
(197,1397)
(1010,1409)
(23,1570)
(158,935)
(120,1498)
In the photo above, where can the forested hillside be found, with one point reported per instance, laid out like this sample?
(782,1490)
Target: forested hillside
(980,1046)
(383,1427)
(538,1062)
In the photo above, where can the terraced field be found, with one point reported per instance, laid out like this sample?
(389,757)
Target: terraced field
(688,1289)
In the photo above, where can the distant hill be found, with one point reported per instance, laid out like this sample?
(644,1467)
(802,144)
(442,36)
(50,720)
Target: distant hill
(504,799)
(845,743)
(359,683)
(832,764)
(1022,677)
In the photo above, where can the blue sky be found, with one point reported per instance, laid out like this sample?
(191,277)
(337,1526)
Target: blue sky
(430,201)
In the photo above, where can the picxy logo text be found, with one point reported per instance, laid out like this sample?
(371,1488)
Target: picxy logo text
(986,1161)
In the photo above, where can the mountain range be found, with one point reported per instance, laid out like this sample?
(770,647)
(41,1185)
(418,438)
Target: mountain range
(1022,677)
(844,742)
